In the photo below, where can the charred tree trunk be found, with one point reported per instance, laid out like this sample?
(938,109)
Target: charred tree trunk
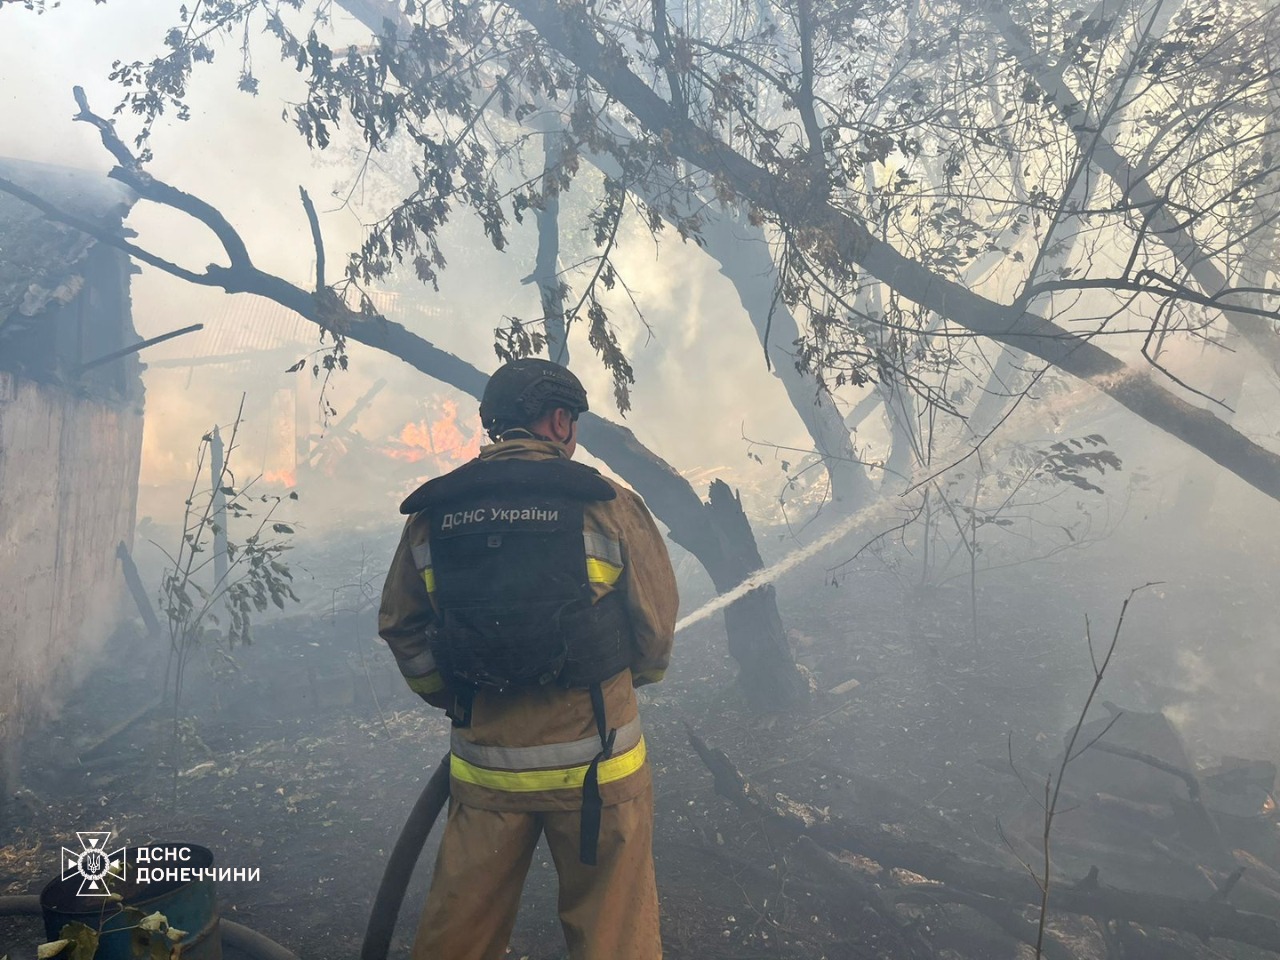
(719,534)
(767,669)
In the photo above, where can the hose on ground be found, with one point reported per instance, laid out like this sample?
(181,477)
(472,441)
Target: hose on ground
(404,857)
(233,934)
(20,906)
(252,942)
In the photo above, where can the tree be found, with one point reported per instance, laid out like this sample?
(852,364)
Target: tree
(752,135)
(871,143)
(830,240)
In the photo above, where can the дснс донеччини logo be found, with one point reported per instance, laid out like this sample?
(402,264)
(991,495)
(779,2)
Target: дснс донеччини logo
(93,863)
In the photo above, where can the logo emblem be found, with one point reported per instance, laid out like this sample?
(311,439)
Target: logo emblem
(93,863)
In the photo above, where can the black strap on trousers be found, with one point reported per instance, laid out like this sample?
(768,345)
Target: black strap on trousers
(592,805)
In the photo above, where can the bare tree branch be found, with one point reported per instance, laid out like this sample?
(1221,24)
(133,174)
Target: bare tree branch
(316,237)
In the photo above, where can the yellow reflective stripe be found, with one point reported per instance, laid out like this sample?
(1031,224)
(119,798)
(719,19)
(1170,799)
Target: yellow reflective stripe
(598,545)
(431,683)
(429,578)
(533,781)
(601,571)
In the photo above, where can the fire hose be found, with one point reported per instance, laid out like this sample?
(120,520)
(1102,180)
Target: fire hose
(386,905)
(404,857)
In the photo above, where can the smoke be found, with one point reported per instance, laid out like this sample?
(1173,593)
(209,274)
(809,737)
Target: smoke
(771,573)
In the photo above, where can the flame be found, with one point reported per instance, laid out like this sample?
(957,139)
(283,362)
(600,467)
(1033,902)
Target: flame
(285,478)
(442,440)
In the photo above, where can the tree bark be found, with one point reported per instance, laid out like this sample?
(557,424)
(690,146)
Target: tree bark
(719,535)
(546,268)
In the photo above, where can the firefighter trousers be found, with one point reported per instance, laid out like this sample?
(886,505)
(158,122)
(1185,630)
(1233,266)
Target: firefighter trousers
(608,911)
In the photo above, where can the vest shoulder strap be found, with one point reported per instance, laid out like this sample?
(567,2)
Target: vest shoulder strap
(561,478)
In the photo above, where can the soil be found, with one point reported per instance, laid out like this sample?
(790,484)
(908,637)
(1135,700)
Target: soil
(305,753)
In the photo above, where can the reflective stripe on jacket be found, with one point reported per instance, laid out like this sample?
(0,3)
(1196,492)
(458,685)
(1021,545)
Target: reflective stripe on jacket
(529,749)
(554,766)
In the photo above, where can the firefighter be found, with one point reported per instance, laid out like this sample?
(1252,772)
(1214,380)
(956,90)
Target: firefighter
(528,597)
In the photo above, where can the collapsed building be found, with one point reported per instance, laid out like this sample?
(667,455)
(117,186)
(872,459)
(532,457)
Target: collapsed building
(71,415)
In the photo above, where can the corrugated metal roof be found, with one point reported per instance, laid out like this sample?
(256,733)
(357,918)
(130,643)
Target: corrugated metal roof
(246,325)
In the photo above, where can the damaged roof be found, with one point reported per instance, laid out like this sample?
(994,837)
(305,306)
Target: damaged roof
(40,259)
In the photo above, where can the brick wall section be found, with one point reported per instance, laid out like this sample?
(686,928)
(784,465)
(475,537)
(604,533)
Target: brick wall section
(68,490)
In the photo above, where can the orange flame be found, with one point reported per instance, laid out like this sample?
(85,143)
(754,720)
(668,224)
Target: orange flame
(285,478)
(442,440)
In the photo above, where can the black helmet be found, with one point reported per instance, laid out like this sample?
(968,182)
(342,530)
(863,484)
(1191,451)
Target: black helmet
(522,390)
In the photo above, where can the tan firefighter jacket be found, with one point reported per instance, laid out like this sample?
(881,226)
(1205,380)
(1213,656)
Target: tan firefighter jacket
(530,749)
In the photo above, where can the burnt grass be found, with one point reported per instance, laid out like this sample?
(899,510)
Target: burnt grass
(306,753)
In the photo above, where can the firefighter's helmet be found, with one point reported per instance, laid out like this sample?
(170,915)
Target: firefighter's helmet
(521,391)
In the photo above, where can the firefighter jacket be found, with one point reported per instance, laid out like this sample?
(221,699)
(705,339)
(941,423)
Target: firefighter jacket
(529,748)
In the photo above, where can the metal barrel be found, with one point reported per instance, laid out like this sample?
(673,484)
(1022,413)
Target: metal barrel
(189,905)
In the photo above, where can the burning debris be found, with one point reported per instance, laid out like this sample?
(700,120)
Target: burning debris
(440,443)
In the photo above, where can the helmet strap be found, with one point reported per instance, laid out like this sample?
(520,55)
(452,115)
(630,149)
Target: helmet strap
(517,433)
(524,433)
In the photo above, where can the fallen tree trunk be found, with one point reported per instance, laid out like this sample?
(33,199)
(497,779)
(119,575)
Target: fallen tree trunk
(1206,919)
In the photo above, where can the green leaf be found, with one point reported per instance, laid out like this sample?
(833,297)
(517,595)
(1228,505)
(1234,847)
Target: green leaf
(84,939)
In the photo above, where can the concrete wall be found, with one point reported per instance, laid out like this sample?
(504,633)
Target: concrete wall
(68,487)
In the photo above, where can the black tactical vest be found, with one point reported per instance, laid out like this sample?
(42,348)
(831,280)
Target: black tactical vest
(511,581)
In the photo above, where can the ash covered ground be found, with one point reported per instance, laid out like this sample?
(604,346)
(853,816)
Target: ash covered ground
(304,752)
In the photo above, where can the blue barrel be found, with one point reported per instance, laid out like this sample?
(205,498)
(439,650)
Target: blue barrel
(189,905)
